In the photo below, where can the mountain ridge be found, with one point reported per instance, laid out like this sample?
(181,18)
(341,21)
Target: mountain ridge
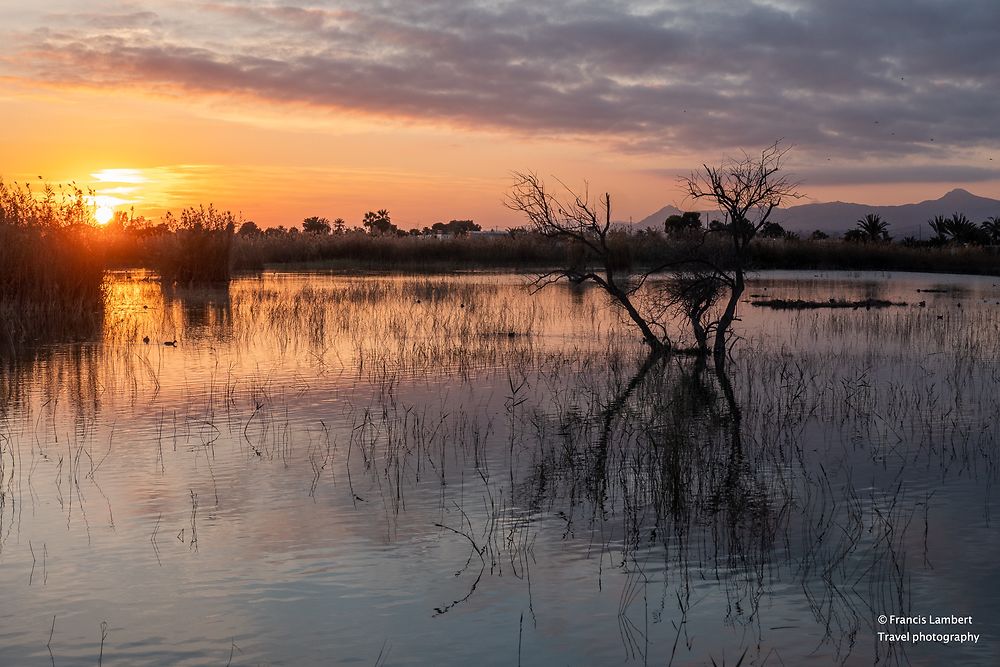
(837,217)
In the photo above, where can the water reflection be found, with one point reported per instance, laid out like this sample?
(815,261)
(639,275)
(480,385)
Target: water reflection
(66,373)
(331,468)
(202,313)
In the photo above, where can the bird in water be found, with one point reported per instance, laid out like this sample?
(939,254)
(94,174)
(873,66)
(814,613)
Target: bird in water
(145,339)
(170,343)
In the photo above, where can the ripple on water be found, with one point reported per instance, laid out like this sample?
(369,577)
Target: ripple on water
(325,470)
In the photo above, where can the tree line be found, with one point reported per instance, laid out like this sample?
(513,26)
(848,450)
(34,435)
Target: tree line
(376,223)
(957,229)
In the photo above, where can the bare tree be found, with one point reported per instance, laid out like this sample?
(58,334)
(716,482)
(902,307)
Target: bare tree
(599,253)
(746,190)
(703,270)
(693,289)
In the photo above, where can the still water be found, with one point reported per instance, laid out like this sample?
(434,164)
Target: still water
(455,469)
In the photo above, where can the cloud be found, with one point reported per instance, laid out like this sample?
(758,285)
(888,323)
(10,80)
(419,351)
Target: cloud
(891,173)
(878,80)
(898,173)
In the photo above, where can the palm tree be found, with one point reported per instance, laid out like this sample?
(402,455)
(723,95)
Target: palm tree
(873,228)
(992,229)
(964,230)
(958,229)
(941,227)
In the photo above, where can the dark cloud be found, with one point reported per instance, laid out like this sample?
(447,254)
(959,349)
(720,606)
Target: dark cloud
(888,80)
(889,173)
(897,173)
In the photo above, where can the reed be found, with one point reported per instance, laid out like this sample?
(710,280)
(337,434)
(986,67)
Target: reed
(51,266)
(834,254)
(525,250)
(200,249)
(364,250)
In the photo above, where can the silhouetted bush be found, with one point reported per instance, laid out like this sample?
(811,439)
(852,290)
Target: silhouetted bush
(200,249)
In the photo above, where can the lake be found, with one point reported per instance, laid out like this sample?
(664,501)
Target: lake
(456,469)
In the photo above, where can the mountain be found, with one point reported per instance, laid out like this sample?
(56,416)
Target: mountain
(904,220)
(837,217)
(655,220)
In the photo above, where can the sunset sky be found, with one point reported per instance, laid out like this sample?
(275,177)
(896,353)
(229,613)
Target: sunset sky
(283,111)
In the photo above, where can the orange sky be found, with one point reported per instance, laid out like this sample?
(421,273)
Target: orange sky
(191,119)
(278,165)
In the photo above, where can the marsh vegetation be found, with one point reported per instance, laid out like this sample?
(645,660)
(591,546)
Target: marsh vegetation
(645,451)
(53,258)
(51,266)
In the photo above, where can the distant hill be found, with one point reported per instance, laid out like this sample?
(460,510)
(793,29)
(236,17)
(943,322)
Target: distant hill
(655,220)
(837,217)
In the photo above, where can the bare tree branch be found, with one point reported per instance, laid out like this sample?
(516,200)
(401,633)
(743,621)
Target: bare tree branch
(585,226)
(746,189)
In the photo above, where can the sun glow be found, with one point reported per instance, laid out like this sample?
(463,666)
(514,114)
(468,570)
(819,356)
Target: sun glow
(103,214)
(115,188)
(119,176)
(104,207)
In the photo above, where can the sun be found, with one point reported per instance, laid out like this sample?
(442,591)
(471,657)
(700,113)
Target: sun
(114,189)
(103,214)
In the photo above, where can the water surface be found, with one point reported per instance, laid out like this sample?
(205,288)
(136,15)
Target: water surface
(454,469)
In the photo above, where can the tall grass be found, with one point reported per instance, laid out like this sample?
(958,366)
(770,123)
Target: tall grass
(200,249)
(794,254)
(641,249)
(411,252)
(51,265)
